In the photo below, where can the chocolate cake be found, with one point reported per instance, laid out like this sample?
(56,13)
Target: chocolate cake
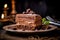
(29,20)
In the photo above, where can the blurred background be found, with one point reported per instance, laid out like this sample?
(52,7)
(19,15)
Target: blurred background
(42,7)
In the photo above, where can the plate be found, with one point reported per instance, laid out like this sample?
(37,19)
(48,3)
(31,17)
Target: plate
(28,31)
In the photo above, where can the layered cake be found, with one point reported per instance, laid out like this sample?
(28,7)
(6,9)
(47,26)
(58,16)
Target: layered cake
(29,21)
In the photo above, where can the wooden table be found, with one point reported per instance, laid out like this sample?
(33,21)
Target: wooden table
(53,35)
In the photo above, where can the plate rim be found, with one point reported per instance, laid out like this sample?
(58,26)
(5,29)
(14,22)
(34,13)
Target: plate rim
(29,31)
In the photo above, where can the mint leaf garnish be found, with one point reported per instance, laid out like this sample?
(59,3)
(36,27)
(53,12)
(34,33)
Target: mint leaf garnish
(45,22)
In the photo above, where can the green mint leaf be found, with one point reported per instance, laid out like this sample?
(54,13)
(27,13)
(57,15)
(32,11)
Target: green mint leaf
(46,23)
(43,20)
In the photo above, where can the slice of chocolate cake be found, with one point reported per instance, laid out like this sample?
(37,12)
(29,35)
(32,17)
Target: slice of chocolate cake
(31,21)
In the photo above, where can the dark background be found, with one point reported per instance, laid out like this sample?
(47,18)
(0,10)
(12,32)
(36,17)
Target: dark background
(48,7)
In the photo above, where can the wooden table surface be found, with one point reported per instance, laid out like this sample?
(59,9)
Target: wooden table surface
(53,35)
